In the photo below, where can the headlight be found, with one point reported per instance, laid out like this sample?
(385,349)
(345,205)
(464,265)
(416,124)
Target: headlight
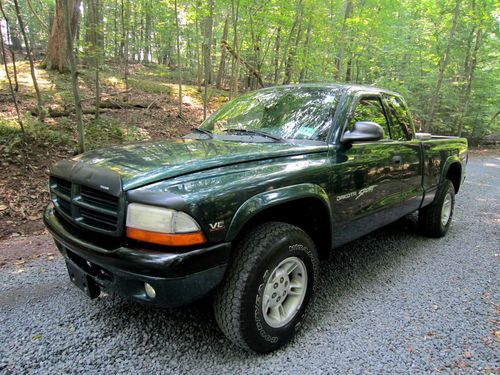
(162,226)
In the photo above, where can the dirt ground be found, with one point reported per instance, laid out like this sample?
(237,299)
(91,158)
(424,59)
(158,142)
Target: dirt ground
(25,167)
(18,250)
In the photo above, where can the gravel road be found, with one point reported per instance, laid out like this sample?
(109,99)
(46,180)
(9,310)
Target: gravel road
(392,302)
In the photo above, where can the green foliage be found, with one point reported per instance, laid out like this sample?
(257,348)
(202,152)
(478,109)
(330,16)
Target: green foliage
(395,44)
(108,131)
(12,145)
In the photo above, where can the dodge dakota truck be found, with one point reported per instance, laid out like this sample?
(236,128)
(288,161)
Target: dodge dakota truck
(244,207)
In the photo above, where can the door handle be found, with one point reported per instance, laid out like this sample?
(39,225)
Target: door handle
(396,159)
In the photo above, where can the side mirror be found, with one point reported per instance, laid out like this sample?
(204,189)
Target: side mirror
(363,131)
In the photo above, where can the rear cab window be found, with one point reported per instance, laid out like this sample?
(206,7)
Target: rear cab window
(401,124)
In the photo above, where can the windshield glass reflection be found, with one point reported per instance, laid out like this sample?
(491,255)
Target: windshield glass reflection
(285,112)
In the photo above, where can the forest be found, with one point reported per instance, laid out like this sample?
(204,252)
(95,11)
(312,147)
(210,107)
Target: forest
(78,75)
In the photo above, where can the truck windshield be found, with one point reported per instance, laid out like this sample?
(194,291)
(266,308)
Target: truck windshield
(285,113)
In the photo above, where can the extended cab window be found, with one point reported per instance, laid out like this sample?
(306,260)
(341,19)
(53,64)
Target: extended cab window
(370,109)
(400,119)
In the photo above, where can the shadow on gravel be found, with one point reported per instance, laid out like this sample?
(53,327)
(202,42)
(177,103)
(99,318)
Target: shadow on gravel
(350,269)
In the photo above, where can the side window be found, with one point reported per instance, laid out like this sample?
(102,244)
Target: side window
(400,119)
(370,109)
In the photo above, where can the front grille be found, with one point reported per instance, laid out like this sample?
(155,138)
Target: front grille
(98,198)
(87,207)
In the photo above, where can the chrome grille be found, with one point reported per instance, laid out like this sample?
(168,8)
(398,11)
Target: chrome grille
(87,207)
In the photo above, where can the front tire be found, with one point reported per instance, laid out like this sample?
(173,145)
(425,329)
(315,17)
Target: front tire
(435,220)
(268,287)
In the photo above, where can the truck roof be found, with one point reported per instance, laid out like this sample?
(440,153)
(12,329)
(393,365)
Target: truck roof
(346,88)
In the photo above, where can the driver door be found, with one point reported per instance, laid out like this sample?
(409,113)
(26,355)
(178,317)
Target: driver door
(365,182)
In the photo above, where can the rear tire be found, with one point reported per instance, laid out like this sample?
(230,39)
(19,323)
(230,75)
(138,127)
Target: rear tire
(435,219)
(268,287)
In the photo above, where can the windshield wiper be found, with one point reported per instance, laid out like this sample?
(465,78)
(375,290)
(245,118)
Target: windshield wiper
(256,132)
(203,131)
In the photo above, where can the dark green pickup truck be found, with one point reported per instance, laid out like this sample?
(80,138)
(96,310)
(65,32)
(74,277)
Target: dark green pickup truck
(245,206)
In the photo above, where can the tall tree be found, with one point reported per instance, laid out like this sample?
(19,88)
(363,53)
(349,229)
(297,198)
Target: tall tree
(222,64)
(57,56)
(95,45)
(307,42)
(179,62)
(11,49)
(30,59)
(125,38)
(74,78)
(469,75)
(277,55)
(292,51)
(11,88)
(207,58)
(443,65)
(235,69)
(342,40)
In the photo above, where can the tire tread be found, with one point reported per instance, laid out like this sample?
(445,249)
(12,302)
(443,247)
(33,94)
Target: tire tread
(229,299)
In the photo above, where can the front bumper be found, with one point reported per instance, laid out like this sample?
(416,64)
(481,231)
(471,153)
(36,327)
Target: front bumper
(177,277)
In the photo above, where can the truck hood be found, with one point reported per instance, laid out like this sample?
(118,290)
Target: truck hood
(143,163)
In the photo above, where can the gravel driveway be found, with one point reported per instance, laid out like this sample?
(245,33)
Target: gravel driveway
(391,302)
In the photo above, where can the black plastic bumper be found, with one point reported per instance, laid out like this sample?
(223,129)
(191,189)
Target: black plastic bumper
(177,277)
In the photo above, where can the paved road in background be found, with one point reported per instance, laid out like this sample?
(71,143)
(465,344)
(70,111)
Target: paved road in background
(392,302)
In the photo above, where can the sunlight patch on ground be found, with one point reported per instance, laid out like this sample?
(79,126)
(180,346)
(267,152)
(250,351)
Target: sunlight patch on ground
(9,119)
(25,80)
(493,165)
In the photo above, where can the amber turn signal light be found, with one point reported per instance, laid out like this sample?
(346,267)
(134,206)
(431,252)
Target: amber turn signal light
(169,239)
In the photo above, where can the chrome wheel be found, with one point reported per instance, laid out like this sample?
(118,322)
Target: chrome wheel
(284,292)
(446,210)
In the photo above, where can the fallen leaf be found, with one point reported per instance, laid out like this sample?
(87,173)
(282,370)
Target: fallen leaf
(37,337)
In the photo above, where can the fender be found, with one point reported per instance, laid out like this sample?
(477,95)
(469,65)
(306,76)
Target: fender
(446,166)
(274,197)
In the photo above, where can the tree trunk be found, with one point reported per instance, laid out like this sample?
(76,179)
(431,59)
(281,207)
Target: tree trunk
(179,63)
(11,88)
(207,58)
(348,70)
(340,57)
(135,54)
(307,42)
(199,66)
(277,55)
(235,68)
(35,14)
(291,55)
(74,78)
(125,32)
(11,50)
(94,40)
(116,49)
(247,65)
(465,98)
(147,31)
(442,68)
(256,48)
(57,56)
(30,58)
(222,65)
